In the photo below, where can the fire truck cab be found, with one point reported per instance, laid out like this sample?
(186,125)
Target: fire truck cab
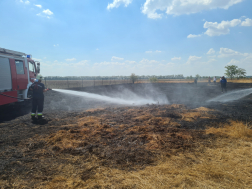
(17,73)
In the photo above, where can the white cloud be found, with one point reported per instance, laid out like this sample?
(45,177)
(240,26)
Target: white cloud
(25,2)
(117,3)
(196,62)
(56,45)
(47,12)
(39,6)
(234,62)
(81,63)
(211,51)
(70,59)
(244,63)
(97,49)
(217,29)
(146,61)
(225,52)
(178,7)
(192,59)
(202,65)
(176,58)
(130,62)
(114,58)
(193,36)
(157,51)
(222,28)
(247,22)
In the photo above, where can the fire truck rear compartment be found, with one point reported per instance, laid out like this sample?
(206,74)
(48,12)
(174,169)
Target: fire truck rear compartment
(5,75)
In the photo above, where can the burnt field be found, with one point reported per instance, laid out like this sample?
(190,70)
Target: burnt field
(90,143)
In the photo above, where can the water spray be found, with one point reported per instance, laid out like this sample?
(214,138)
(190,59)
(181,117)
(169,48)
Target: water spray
(231,96)
(135,101)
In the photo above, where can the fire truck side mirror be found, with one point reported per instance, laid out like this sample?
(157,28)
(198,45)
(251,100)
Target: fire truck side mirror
(38,67)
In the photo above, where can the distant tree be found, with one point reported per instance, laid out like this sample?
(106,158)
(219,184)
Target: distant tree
(232,71)
(241,73)
(153,79)
(197,76)
(133,78)
(191,77)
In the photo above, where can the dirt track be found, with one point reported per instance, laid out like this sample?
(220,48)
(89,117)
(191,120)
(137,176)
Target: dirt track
(122,137)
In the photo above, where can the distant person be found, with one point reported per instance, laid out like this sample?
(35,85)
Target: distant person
(209,79)
(38,89)
(223,82)
(195,81)
(214,80)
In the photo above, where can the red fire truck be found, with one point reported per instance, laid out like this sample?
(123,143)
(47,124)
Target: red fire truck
(17,73)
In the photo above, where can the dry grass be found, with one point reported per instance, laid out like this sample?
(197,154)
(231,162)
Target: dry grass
(201,112)
(226,164)
(240,81)
(235,129)
(203,109)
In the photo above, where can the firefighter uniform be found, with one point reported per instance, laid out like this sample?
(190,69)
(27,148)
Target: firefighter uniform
(223,82)
(38,99)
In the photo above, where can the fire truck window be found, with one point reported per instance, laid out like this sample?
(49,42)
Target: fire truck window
(19,66)
(31,67)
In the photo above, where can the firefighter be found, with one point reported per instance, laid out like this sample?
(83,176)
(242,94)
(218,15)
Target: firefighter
(223,82)
(209,79)
(38,98)
(214,80)
(195,80)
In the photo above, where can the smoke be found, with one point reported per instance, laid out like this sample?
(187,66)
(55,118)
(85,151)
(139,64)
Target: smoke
(136,92)
(231,96)
(140,94)
(125,97)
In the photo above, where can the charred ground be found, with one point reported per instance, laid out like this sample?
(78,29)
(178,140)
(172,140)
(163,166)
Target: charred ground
(128,138)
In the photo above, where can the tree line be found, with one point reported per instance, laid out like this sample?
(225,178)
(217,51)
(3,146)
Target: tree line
(232,71)
(113,77)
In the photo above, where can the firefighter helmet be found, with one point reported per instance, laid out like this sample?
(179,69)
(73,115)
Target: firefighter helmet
(39,77)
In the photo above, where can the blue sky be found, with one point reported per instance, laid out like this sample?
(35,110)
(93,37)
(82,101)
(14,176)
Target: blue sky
(120,37)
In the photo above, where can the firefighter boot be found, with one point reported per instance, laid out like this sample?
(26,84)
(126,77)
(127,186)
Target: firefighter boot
(33,116)
(41,117)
